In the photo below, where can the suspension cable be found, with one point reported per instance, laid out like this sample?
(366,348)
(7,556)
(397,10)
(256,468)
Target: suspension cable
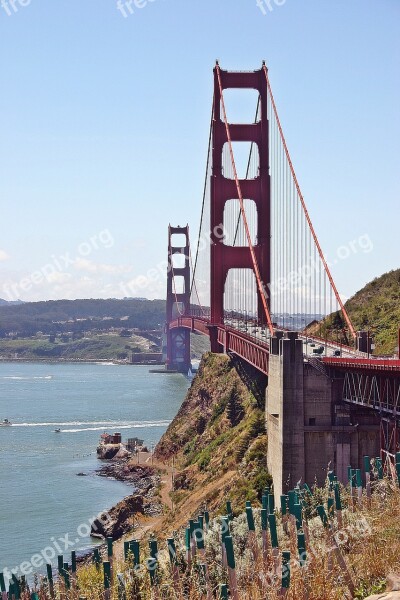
(204,199)
(314,235)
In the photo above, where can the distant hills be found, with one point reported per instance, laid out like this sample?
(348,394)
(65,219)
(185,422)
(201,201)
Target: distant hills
(7,302)
(77,316)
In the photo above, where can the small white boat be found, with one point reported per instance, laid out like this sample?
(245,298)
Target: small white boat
(5,423)
(58,430)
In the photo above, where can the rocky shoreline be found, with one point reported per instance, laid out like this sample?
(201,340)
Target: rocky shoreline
(120,519)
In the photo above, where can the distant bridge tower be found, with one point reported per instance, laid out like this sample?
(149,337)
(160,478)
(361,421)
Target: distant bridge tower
(224,257)
(178,301)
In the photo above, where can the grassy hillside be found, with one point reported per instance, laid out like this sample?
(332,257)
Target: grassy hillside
(218,441)
(94,347)
(376,307)
(61,316)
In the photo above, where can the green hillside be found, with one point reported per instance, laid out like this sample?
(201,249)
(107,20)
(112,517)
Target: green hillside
(376,307)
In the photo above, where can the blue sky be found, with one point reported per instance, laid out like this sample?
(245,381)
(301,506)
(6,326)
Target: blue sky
(104,128)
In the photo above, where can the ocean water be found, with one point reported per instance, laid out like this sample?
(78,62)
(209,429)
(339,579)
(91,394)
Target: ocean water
(44,506)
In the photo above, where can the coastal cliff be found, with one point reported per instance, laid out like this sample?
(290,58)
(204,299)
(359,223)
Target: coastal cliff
(217,442)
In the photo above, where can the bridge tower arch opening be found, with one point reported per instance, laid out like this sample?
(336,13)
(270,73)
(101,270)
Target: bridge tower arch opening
(178,299)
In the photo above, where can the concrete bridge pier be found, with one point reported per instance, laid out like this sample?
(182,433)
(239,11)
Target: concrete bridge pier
(310,429)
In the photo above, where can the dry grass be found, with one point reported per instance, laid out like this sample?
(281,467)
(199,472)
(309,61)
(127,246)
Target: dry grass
(369,543)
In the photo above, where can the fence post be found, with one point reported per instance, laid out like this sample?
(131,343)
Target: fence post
(187,545)
(174,565)
(107,579)
(231,567)
(359,484)
(264,529)
(134,548)
(285,572)
(3,587)
(110,552)
(97,558)
(367,469)
(49,571)
(224,533)
(274,542)
(398,466)
(338,505)
(301,547)
(284,510)
(223,592)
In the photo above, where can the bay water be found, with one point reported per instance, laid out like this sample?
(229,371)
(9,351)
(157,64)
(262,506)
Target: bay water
(44,506)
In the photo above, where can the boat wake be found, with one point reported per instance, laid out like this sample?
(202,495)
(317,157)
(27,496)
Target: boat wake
(77,426)
(16,377)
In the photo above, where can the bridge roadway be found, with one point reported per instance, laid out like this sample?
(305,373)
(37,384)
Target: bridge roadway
(251,343)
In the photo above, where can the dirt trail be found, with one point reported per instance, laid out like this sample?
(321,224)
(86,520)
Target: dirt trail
(143,524)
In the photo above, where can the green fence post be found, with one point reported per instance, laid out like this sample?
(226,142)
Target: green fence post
(367,469)
(272,528)
(126,550)
(285,570)
(224,533)
(187,546)
(284,506)
(223,592)
(200,519)
(174,564)
(338,505)
(134,549)
(109,547)
(398,471)
(73,561)
(17,587)
(153,548)
(264,501)
(264,528)
(206,518)
(60,564)
(331,507)
(97,558)
(250,518)
(231,566)
(172,551)
(107,578)
(297,512)
(359,483)
(271,504)
(49,572)
(301,546)
(229,511)
(66,576)
(2,583)
(292,500)
(331,477)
